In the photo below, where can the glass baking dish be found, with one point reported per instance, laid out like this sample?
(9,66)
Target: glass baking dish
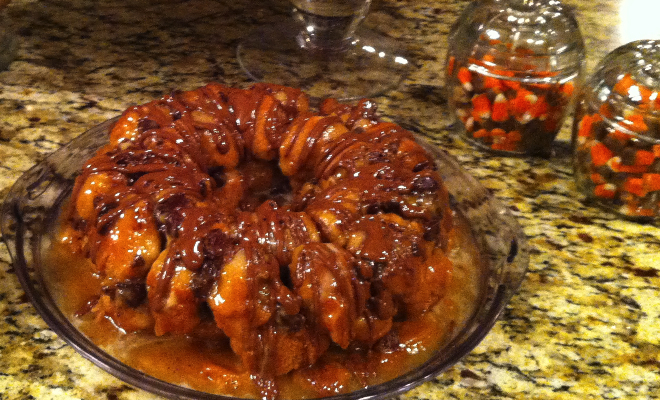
(31,209)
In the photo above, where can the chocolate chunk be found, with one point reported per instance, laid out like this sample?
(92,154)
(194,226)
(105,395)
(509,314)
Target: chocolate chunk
(202,282)
(218,175)
(133,177)
(205,187)
(169,212)
(138,262)
(146,124)
(424,184)
(293,323)
(373,209)
(421,166)
(388,343)
(375,157)
(388,207)
(125,159)
(215,243)
(285,276)
(131,292)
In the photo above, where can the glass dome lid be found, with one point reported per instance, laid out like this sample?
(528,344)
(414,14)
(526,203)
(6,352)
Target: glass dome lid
(525,35)
(630,76)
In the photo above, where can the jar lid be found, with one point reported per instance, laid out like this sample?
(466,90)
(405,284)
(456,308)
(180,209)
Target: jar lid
(625,89)
(631,74)
(529,36)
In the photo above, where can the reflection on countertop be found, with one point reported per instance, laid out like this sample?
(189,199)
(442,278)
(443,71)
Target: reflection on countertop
(585,322)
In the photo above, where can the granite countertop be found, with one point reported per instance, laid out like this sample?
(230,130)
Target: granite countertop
(585,321)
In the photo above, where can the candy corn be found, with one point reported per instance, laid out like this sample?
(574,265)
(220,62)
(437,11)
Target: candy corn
(465,77)
(502,111)
(618,152)
(500,108)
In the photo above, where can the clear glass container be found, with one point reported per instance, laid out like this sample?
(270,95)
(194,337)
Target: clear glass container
(325,51)
(616,132)
(28,220)
(512,69)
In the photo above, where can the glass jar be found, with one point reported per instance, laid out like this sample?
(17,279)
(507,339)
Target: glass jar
(512,68)
(616,132)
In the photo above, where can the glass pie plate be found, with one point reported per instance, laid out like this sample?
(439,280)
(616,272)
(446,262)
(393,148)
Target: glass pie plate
(31,209)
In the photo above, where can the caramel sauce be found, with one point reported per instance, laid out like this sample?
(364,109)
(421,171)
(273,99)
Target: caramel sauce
(209,365)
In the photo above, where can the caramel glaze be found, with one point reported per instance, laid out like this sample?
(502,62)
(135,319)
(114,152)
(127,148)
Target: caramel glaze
(240,213)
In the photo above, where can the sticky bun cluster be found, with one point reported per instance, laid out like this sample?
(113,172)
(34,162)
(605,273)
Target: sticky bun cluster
(242,214)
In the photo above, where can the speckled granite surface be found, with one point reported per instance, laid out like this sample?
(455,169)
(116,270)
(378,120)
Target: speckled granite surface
(585,322)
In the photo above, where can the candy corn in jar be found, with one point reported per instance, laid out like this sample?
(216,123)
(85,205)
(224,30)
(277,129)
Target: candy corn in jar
(512,69)
(616,132)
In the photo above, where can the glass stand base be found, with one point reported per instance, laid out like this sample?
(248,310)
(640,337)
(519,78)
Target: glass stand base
(365,66)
